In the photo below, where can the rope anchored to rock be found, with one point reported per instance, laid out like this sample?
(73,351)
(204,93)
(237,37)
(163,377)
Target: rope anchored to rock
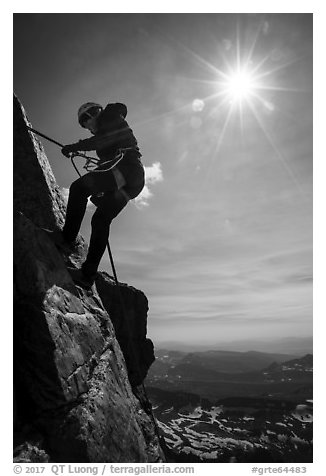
(89,160)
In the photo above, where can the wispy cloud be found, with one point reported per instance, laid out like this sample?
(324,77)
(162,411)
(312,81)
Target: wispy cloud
(153,174)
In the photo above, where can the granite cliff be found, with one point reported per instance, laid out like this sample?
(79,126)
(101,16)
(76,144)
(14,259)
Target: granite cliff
(79,362)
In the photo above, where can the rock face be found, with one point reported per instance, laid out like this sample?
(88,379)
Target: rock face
(78,359)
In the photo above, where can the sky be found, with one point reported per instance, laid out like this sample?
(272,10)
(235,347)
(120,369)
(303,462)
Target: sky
(221,104)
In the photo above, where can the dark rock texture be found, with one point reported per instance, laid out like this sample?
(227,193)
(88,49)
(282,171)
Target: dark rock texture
(131,334)
(77,358)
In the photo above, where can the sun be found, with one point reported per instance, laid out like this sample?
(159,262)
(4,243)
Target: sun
(240,85)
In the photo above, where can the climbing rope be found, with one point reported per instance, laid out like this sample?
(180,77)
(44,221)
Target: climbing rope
(134,356)
(73,155)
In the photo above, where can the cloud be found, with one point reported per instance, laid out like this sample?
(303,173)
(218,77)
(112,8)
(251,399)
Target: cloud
(65,193)
(153,174)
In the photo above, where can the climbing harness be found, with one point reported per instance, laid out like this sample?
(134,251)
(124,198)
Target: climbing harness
(91,166)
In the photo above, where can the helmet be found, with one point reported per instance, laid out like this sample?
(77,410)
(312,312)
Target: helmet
(87,110)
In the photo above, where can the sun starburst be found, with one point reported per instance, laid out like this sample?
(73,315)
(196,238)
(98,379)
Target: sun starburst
(244,88)
(240,84)
(244,85)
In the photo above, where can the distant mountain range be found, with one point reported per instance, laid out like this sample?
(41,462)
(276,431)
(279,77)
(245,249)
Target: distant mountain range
(216,361)
(294,346)
(222,374)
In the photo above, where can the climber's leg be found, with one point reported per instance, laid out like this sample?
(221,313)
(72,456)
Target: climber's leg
(79,192)
(109,207)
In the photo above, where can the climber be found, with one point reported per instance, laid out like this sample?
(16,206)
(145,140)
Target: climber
(109,186)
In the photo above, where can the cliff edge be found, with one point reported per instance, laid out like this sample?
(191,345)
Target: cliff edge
(79,361)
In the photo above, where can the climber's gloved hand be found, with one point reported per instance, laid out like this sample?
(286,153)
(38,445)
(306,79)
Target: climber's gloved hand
(68,149)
